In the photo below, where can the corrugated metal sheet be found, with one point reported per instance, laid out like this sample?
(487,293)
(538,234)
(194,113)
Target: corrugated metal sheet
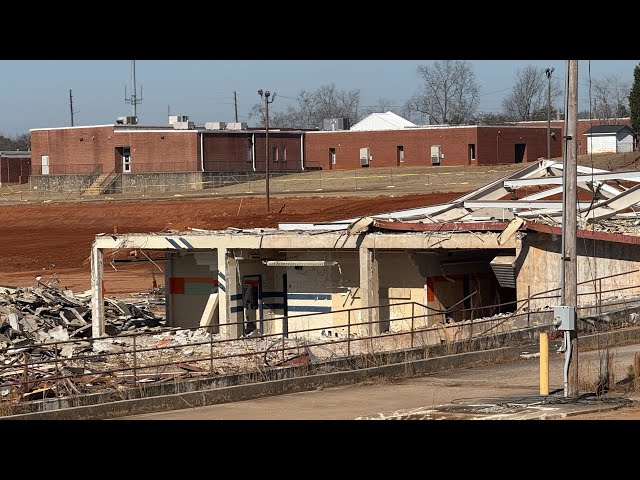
(504,269)
(382,121)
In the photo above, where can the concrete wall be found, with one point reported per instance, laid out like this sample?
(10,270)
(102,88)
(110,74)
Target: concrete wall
(191,279)
(318,297)
(161,182)
(58,183)
(538,266)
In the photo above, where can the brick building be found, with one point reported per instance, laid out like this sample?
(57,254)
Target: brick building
(430,146)
(178,147)
(15,166)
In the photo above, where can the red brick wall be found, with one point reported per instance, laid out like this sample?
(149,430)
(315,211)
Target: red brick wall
(227,152)
(158,151)
(231,152)
(15,169)
(161,151)
(383,147)
(499,148)
(291,142)
(417,144)
(73,150)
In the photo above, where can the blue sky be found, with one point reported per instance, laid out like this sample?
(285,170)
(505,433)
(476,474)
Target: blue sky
(38,97)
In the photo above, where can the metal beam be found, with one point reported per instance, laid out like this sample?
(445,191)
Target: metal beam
(519,204)
(611,207)
(587,178)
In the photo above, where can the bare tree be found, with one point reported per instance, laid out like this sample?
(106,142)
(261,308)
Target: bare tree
(311,108)
(450,93)
(491,119)
(609,98)
(382,105)
(528,98)
(19,142)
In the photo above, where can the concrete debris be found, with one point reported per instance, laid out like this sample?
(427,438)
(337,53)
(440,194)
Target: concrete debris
(43,314)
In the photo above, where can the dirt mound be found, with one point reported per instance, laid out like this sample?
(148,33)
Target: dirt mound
(56,238)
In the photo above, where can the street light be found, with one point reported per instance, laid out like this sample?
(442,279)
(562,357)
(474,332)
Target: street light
(549,71)
(266,94)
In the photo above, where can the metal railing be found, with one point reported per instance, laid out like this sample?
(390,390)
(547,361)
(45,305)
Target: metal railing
(42,370)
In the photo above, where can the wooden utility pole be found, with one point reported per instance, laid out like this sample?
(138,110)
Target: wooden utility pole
(549,71)
(570,260)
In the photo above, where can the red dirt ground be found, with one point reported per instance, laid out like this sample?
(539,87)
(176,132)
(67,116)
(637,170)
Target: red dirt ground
(55,238)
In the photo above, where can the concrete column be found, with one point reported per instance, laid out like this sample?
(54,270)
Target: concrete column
(97,299)
(370,288)
(229,304)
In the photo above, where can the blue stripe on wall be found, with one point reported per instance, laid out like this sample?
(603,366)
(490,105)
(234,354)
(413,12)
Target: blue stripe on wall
(221,286)
(274,306)
(309,296)
(236,309)
(272,294)
(236,296)
(185,242)
(174,243)
(308,308)
(221,275)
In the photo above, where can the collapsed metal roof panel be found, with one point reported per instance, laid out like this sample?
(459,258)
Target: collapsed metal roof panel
(490,202)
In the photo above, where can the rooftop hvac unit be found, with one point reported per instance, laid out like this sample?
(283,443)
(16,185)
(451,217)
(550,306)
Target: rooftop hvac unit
(215,125)
(237,126)
(178,118)
(128,120)
(332,124)
(183,125)
(365,157)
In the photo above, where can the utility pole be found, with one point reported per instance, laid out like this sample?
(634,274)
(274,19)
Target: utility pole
(71,106)
(569,258)
(266,94)
(235,103)
(549,71)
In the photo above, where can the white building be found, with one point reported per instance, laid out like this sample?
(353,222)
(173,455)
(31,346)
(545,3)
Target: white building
(609,139)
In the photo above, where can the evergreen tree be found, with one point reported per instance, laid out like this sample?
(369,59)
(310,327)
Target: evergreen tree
(634,101)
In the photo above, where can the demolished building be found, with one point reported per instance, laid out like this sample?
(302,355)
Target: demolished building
(487,251)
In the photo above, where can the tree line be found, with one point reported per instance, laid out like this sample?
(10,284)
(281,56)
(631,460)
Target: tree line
(449,94)
(20,142)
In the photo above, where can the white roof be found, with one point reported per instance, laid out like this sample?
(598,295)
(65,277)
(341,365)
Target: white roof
(382,121)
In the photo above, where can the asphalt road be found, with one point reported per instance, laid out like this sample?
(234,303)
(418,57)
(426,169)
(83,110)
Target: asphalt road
(513,383)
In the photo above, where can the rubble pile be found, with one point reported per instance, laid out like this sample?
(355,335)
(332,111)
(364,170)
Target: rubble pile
(44,313)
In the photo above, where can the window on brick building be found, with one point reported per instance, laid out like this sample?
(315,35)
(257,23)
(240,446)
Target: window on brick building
(283,153)
(472,152)
(274,153)
(332,156)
